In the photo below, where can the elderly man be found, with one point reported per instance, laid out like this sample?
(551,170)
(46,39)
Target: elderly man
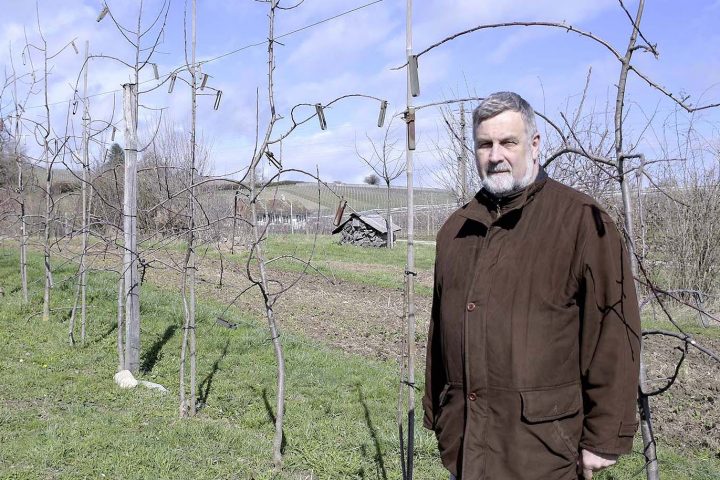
(534,341)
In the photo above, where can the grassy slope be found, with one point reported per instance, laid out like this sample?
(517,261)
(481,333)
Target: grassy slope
(63,418)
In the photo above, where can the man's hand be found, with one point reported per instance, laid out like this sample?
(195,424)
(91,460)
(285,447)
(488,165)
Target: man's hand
(590,462)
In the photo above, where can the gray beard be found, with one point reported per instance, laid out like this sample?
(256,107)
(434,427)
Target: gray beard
(503,187)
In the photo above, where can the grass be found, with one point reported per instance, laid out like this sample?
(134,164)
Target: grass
(673,465)
(328,249)
(62,416)
(683,316)
(379,267)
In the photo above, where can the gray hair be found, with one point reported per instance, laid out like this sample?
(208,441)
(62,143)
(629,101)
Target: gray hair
(498,102)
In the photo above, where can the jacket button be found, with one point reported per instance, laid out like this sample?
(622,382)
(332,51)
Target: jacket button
(472,397)
(470,307)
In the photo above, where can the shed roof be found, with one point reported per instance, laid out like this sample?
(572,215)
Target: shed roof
(373,220)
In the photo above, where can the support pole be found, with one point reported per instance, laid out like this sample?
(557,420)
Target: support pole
(131,257)
(462,158)
(86,179)
(410,269)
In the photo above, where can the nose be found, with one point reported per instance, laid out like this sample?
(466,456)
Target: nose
(495,156)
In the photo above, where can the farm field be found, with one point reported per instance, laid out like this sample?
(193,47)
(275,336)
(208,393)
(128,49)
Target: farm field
(307,198)
(62,416)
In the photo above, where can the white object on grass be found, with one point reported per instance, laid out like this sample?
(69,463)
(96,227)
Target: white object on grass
(125,379)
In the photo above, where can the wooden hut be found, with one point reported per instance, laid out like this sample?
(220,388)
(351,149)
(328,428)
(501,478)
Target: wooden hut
(365,230)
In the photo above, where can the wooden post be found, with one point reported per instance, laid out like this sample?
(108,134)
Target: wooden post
(130,257)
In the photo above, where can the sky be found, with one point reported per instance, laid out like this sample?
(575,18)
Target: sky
(332,48)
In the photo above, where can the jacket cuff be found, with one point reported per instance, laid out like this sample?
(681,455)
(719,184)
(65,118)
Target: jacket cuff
(617,442)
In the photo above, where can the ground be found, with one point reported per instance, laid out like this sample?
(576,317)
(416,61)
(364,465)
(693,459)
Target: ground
(344,316)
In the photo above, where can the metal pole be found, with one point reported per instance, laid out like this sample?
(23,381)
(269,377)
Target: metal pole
(191,243)
(461,156)
(86,179)
(21,191)
(410,269)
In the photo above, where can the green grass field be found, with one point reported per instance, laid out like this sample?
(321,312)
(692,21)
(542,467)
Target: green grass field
(61,416)
(378,267)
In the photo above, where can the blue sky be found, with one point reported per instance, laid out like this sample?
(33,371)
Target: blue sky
(355,53)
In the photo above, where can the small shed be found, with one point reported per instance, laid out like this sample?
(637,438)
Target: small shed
(365,230)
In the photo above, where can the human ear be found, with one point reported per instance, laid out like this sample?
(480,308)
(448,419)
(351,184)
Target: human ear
(535,146)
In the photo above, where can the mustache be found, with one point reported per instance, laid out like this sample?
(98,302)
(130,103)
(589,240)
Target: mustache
(499,168)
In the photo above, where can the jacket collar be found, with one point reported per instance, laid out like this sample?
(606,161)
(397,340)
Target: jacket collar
(487,208)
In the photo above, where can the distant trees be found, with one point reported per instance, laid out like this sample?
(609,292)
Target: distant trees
(372,180)
(8,165)
(456,171)
(107,180)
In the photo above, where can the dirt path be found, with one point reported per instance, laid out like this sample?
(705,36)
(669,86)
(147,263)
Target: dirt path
(359,319)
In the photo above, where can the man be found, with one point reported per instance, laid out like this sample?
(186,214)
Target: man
(534,341)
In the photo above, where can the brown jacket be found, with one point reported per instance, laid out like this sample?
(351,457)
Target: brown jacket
(534,341)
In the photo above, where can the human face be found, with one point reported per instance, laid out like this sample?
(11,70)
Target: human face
(505,156)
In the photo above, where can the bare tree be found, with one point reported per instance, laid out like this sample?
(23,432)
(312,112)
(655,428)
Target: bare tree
(258,276)
(387,162)
(52,148)
(20,163)
(455,165)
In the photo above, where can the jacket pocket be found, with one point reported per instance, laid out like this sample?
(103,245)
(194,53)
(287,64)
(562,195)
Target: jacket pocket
(443,395)
(553,418)
(551,404)
(450,424)
(628,429)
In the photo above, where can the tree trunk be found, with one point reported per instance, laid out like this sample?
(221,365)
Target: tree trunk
(46,236)
(21,198)
(644,404)
(81,294)
(274,332)
(388,221)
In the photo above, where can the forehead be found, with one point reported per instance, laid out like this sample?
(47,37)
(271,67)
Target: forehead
(507,123)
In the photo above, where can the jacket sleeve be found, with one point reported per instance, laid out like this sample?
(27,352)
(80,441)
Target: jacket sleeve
(609,338)
(434,371)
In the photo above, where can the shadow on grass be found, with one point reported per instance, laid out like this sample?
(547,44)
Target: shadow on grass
(271,417)
(207,381)
(379,460)
(153,355)
(105,334)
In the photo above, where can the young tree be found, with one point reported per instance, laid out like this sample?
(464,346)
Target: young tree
(52,147)
(387,163)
